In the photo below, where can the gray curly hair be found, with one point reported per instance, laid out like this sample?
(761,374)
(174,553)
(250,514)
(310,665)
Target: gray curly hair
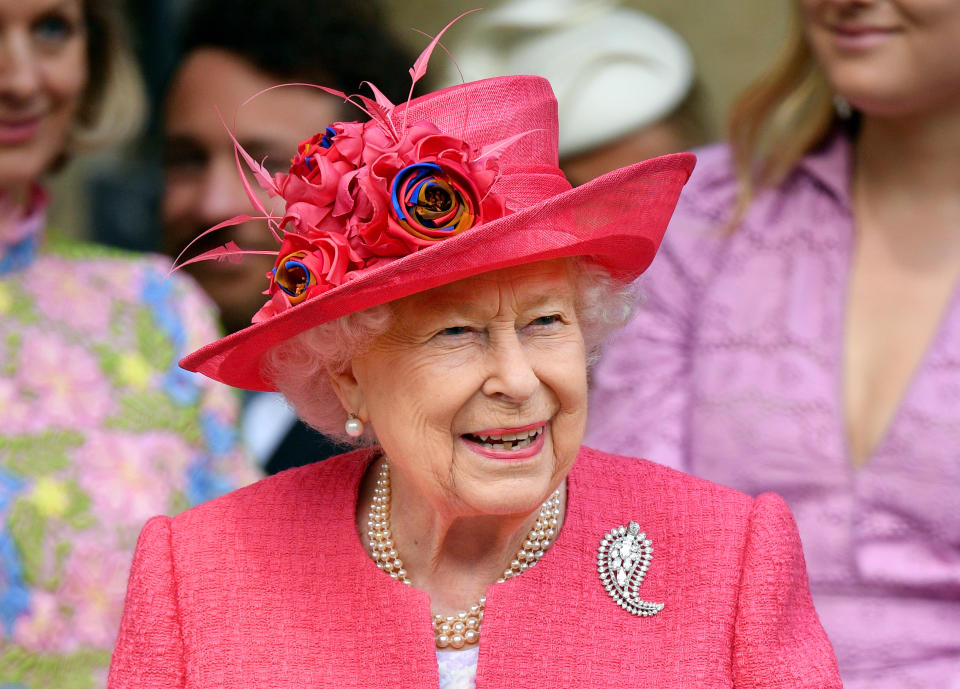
(300,367)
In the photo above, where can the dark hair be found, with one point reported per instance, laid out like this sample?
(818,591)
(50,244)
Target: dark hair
(335,43)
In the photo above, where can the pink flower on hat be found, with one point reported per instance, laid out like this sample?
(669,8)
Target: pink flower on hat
(358,196)
(308,264)
(422,189)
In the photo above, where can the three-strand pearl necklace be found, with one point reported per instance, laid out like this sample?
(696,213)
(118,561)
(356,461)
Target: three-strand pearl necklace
(455,631)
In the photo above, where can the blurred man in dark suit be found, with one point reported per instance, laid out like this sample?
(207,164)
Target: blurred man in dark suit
(233,49)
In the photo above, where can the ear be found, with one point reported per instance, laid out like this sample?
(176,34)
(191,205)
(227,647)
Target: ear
(349,392)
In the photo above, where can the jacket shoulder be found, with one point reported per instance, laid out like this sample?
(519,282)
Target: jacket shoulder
(314,488)
(636,481)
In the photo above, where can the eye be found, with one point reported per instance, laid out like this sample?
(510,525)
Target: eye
(180,156)
(180,163)
(271,157)
(455,330)
(54,28)
(275,164)
(546,320)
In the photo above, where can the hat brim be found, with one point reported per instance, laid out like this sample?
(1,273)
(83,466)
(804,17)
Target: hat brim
(618,220)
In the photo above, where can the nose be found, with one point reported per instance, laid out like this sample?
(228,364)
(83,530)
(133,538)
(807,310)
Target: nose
(19,66)
(221,193)
(510,376)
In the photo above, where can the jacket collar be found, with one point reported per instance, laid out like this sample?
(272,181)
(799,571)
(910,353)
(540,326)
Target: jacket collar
(831,166)
(21,230)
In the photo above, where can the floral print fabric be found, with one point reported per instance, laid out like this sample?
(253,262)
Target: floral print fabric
(458,669)
(99,430)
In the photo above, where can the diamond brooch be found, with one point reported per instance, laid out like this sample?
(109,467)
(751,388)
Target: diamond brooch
(622,561)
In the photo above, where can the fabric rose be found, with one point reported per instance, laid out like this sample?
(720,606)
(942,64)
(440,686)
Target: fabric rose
(453,188)
(307,266)
(432,202)
(361,194)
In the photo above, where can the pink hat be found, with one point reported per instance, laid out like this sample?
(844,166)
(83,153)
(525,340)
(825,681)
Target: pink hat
(453,184)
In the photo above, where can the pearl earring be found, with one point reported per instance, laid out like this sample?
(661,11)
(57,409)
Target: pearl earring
(353,426)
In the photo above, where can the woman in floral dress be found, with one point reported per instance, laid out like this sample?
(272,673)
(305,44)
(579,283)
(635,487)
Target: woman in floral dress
(99,429)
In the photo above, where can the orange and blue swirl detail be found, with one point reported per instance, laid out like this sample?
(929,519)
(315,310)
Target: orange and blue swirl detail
(293,276)
(431,204)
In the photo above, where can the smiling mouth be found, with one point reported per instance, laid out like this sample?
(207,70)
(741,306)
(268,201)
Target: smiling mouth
(850,31)
(18,120)
(18,130)
(507,441)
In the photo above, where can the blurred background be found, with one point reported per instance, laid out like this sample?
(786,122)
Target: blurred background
(116,192)
(730,40)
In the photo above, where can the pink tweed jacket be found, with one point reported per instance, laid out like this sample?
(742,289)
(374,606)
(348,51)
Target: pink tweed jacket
(270,587)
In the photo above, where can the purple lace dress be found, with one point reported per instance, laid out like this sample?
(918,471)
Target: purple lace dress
(732,371)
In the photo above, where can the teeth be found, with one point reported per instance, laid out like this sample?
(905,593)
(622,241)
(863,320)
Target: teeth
(510,441)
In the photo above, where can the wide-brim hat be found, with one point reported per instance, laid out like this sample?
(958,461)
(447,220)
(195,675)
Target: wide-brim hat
(616,220)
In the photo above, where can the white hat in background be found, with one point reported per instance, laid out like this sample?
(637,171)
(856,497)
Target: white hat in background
(613,69)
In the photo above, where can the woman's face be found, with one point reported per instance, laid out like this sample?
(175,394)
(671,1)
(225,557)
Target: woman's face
(466,369)
(888,57)
(43,71)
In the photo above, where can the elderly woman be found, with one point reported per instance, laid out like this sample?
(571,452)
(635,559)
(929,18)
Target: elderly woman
(437,294)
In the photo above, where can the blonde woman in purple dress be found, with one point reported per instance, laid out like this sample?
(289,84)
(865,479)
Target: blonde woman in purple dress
(799,332)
